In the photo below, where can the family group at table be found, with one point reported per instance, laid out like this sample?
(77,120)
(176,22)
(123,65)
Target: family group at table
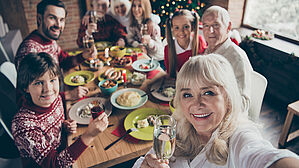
(211,102)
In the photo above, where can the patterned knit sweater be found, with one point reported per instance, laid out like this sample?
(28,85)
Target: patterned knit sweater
(35,42)
(37,132)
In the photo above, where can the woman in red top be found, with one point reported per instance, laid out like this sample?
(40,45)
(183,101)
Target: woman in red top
(181,29)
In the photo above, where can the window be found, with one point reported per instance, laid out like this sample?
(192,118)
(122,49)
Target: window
(278,16)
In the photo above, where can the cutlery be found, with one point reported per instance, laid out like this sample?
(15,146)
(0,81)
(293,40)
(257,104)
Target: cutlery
(151,63)
(161,86)
(127,132)
(147,93)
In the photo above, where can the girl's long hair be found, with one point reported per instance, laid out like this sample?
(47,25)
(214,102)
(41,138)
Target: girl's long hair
(147,11)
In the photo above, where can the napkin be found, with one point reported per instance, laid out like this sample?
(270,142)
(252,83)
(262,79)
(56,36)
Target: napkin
(164,103)
(120,131)
(152,74)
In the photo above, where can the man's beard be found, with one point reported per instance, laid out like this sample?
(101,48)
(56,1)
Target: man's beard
(46,31)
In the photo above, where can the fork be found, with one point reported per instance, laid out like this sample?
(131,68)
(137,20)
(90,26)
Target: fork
(127,132)
(151,63)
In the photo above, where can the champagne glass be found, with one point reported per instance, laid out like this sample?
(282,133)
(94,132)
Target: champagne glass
(164,136)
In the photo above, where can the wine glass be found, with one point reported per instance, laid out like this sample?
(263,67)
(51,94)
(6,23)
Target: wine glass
(164,136)
(88,42)
(93,17)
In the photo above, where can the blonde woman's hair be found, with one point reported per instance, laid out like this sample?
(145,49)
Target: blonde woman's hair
(114,3)
(221,13)
(147,11)
(212,69)
(193,17)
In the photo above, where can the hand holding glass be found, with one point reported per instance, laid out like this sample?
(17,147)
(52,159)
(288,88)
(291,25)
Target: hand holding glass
(164,136)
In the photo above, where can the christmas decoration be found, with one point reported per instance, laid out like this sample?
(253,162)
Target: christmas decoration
(165,8)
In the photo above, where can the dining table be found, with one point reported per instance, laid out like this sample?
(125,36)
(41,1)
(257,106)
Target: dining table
(122,151)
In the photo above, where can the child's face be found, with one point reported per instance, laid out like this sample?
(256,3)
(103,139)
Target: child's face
(181,29)
(44,90)
(137,9)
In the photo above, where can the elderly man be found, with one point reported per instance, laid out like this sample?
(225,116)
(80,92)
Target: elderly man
(216,28)
(105,29)
(51,16)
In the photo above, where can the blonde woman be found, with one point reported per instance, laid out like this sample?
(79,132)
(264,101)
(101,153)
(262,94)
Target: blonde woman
(149,40)
(212,131)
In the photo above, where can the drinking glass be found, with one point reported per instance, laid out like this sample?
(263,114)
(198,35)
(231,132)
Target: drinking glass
(88,42)
(164,136)
(93,17)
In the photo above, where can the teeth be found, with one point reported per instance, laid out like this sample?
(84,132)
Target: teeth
(201,115)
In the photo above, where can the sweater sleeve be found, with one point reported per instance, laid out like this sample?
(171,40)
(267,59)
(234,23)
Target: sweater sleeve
(81,34)
(130,37)
(32,143)
(66,157)
(66,61)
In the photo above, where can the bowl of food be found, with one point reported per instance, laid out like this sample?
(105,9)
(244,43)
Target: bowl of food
(117,51)
(108,86)
(138,78)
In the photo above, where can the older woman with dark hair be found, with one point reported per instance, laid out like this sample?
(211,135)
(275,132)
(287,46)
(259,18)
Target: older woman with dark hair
(212,131)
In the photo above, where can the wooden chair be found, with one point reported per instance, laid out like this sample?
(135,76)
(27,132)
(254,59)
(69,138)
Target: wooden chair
(258,88)
(286,136)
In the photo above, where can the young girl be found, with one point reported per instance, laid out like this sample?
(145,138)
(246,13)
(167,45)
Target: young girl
(38,126)
(184,25)
(149,40)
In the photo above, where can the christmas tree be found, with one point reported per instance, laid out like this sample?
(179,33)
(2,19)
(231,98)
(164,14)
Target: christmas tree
(165,8)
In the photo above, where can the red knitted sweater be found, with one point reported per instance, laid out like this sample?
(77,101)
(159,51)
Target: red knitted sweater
(38,135)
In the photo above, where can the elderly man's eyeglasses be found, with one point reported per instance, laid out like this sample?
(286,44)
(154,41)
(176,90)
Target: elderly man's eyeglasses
(214,26)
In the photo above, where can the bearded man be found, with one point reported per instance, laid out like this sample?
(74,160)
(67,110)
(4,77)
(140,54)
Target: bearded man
(51,16)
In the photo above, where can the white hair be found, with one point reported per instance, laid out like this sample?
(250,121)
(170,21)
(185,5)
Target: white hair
(221,13)
(114,3)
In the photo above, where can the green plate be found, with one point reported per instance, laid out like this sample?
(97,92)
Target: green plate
(129,50)
(101,45)
(140,114)
(72,53)
(88,76)
(100,77)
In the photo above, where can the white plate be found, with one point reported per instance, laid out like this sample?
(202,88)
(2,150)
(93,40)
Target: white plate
(137,63)
(74,111)
(159,95)
(119,92)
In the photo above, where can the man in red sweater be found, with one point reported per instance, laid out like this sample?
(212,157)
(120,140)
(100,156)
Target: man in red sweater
(51,16)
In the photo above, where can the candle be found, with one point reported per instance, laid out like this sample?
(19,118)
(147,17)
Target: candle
(124,76)
(106,52)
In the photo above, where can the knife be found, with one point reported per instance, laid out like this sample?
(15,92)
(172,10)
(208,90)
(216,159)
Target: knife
(161,85)
(127,132)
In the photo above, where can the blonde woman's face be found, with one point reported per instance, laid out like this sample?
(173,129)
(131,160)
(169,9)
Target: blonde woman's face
(182,29)
(204,106)
(120,9)
(137,9)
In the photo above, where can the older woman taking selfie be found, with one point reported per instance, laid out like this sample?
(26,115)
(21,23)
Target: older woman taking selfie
(212,131)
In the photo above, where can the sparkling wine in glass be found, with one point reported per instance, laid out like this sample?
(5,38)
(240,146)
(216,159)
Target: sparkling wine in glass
(164,136)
